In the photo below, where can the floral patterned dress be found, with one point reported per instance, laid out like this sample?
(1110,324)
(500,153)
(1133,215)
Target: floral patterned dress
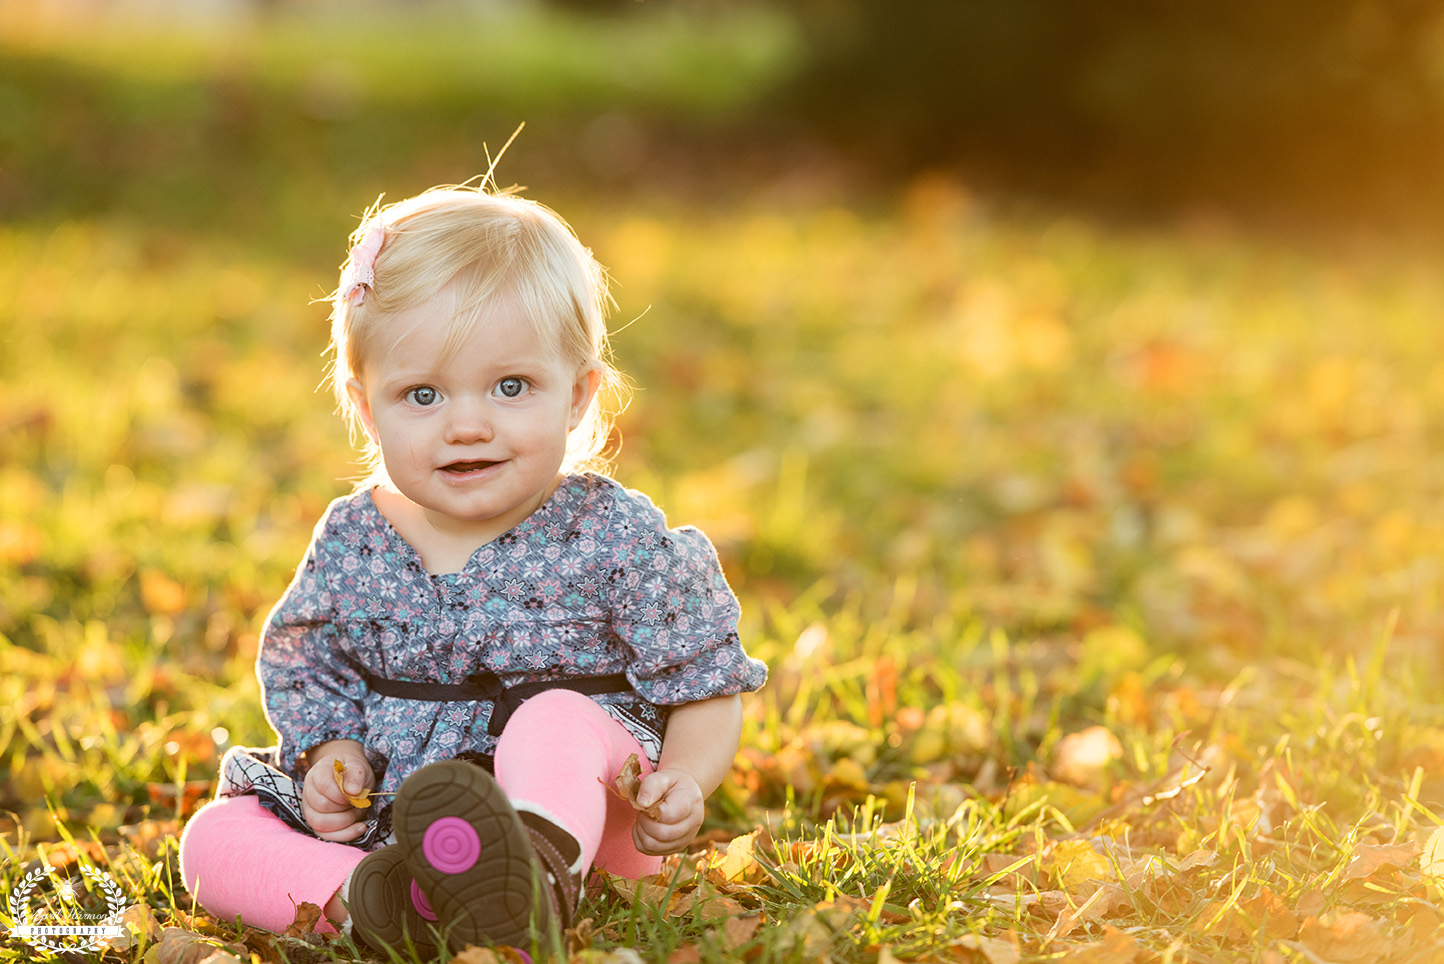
(592,584)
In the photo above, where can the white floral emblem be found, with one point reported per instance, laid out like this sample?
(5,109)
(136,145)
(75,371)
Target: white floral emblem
(69,929)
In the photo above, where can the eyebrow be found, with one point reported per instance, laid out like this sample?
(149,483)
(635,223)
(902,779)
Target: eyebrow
(530,366)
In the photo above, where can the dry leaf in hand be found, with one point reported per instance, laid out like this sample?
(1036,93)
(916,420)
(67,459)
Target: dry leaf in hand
(360,800)
(629,783)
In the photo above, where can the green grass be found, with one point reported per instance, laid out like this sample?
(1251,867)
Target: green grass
(985,482)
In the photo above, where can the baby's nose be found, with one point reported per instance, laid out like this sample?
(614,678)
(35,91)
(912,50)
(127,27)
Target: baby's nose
(468,422)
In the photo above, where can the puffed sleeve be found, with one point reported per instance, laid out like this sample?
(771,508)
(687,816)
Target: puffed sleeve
(672,607)
(311,689)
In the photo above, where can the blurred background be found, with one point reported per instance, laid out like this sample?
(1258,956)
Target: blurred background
(1316,111)
(1111,327)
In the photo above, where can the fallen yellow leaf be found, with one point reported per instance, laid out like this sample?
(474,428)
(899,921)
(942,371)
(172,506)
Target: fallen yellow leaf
(1370,860)
(1116,947)
(992,950)
(739,864)
(1347,937)
(1431,862)
(1075,862)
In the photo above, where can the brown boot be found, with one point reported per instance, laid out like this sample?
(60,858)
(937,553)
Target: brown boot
(556,852)
(387,907)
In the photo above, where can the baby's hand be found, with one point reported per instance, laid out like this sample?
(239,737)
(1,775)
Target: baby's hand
(682,809)
(323,804)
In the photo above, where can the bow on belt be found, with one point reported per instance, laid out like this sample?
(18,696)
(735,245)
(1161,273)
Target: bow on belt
(486,685)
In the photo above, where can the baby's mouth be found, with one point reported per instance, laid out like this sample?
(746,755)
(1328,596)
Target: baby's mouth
(460,468)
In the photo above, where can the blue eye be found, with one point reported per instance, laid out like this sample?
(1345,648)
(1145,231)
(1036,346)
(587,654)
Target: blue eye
(424,395)
(511,387)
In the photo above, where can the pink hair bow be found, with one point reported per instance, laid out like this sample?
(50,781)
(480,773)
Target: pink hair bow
(360,272)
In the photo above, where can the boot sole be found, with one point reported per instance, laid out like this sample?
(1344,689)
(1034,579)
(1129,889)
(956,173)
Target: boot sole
(382,908)
(470,854)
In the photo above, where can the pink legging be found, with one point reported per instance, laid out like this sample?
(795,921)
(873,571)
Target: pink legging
(237,859)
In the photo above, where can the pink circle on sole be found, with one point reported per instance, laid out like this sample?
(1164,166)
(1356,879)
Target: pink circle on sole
(422,905)
(451,845)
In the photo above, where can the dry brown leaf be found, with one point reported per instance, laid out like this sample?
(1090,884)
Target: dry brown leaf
(580,935)
(1053,903)
(990,949)
(185,799)
(222,957)
(1311,903)
(716,907)
(1370,860)
(1265,913)
(628,784)
(620,955)
(1421,926)
(472,954)
(308,915)
(736,931)
(1096,906)
(1199,858)
(686,954)
(812,929)
(681,868)
(179,946)
(149,836)
(64,855)
(1165,892)
(640,891)
(360,800)
(986,950)
(1222,921)
(1116,947)
(262,945)
(1347,937)
(195,923)
(140,926)
(1269,912)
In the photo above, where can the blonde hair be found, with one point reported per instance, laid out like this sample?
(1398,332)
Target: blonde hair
(485,245)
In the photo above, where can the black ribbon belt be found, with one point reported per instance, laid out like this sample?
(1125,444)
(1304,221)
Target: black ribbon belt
(485,685)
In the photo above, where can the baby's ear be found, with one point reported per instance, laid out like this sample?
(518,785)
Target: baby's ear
(584,390)
(359,402)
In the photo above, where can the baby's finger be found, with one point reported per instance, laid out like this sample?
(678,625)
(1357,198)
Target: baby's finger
(350,779)
(326,798)
(323,821)
(646,843)
(657,837)
(654,788)
(345,835)
(655,845)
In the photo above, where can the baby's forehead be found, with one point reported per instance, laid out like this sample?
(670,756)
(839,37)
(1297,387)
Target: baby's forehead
(500,333)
